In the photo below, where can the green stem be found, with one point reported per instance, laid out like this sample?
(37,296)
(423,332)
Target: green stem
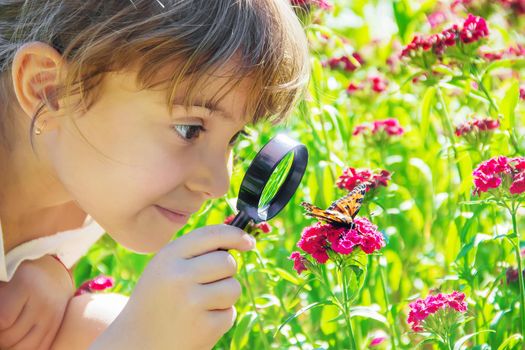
(252,300)
(388,307)
(520,268)
(449,342)
(346,311)
(447,124)
(494,106)
(488,95)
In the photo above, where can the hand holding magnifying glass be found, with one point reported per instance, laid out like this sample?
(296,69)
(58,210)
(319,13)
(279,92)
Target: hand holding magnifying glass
(271,180)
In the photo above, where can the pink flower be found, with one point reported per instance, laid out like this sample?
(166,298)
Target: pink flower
(522,92)
(298,262)
(490,174)
(361,129)
(379,84)
(510,52)
(376,341)
(518,184)
(96,284)
(436,18)
(487,174)
(477,125)
(423,308)
(353,88)
(352,177)
(345,63)
(390,126)
(474,28)
(313,241)
(317,239)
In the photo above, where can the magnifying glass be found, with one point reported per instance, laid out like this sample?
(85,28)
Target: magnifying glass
(271,180)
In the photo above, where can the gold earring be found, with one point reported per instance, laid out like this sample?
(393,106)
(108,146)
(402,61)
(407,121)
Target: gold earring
(38,130)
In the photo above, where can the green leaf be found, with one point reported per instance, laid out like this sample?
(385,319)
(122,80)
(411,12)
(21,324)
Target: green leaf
(242,331)
(511,342)
(463,340)
(328,314)
(287,276)
(474,242)
(504,63)
(368,312)
(426,107)
(426,341)
(302,310)
(508,105)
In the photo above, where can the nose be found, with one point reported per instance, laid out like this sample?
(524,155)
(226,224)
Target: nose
(212,175)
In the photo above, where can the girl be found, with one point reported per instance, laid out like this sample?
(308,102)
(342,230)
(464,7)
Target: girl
(120,117)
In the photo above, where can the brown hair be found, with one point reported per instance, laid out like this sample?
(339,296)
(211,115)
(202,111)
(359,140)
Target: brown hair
(96,37)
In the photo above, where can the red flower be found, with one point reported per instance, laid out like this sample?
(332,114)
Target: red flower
(487,174)
(298,262)
(518,184)
(353,88)
(477,125)
(378,84)
(423,308)
(389,126)
(345,63)
(474,28)
(317,239)
(96,284)
(313,241)
(352,177)
(490,174)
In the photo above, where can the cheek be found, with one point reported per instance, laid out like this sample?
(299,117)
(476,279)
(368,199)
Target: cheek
(117,179)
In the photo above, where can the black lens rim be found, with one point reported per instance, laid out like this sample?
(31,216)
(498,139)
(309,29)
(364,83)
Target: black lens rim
(259,172)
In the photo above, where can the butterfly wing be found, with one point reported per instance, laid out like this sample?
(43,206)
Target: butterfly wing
(350,204)
(329,216)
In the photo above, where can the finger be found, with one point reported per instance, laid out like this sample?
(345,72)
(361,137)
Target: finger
(212,266)
(211,238)
(223,320)
(220,294)
(19,329)
(12,302)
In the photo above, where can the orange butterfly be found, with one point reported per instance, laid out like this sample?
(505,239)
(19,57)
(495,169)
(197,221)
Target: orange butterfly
(341,212)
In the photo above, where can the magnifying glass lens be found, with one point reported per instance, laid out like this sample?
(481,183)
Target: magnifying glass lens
(273,185)
(271,180)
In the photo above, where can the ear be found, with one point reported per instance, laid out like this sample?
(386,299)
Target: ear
(35,70)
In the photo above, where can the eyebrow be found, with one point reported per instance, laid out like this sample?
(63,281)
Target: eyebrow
(213,107)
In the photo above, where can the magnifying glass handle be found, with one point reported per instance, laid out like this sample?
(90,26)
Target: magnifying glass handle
(241,220)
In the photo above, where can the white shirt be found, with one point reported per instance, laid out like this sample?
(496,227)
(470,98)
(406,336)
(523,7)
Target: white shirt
(68,245)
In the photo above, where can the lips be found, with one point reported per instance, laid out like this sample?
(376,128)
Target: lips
(174,216)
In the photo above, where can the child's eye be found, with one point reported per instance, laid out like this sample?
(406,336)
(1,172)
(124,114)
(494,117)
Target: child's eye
(237,136)
(188,132)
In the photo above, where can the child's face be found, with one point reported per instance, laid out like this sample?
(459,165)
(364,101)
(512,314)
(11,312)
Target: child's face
(145,159)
